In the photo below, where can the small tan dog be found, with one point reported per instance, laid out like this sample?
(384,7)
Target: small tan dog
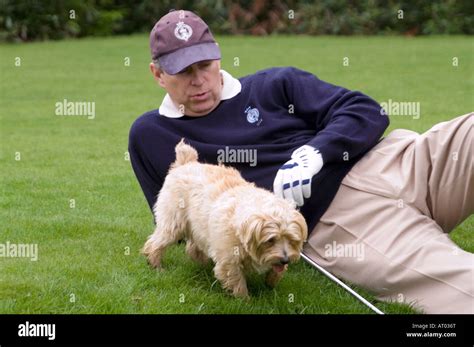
(221,216)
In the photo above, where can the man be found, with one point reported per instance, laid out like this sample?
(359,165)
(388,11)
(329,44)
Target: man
(318,144)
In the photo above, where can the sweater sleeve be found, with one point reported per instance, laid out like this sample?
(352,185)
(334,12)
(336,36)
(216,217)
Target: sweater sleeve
(347,123)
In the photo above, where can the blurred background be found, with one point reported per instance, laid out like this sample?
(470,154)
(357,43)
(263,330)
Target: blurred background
(33,20)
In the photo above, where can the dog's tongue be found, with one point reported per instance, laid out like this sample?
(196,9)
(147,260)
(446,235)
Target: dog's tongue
(278,268)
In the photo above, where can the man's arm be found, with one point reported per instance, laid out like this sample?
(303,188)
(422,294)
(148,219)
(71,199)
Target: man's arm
(347,124)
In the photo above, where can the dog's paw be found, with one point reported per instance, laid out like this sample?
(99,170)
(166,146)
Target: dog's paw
(155,262)
(241,293)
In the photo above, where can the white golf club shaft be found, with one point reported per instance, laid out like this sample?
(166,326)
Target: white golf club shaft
(342,284)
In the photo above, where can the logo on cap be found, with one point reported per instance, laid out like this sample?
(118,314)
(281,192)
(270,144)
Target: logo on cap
(183,31)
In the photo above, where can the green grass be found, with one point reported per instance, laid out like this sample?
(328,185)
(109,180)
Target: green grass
(82,250)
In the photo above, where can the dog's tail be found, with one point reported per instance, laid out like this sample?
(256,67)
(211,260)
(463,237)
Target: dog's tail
(184,154)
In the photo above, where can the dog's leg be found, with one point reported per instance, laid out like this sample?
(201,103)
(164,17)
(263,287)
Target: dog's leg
(273,277)
(156,244)
(167,232)
(170,216)
(195,253)
(232,278)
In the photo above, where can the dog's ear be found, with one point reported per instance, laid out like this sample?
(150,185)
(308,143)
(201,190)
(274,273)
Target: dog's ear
(301,225)
(250,232)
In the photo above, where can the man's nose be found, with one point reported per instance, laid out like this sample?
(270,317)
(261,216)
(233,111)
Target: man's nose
(196,79)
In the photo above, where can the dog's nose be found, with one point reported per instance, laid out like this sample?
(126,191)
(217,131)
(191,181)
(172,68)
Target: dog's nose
(284,261)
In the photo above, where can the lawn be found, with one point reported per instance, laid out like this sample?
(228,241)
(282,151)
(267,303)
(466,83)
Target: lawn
(67,184)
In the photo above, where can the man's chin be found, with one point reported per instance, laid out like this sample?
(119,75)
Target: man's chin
(202,109)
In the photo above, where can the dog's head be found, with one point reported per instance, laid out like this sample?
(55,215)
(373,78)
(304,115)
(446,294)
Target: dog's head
(275,238)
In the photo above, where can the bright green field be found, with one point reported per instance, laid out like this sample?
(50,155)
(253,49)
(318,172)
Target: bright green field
(84,265)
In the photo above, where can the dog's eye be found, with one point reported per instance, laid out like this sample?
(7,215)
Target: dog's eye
(270,241)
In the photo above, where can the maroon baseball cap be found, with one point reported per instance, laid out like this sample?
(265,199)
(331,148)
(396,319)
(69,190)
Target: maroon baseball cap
(181,38)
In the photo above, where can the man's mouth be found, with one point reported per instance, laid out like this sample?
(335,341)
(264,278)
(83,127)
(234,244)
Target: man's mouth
(199,96)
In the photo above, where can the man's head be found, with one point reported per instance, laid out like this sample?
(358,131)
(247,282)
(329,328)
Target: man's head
(186,62)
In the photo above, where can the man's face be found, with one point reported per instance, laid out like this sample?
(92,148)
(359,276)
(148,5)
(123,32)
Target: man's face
(196,91)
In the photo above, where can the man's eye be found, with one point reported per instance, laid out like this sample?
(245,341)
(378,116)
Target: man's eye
(185,71)
(189,69)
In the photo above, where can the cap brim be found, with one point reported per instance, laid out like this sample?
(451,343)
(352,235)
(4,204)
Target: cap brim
(179,60)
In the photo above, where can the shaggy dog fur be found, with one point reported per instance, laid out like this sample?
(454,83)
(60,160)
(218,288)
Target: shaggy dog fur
(221,216)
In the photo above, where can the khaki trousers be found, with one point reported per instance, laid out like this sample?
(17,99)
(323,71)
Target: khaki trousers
(387,227)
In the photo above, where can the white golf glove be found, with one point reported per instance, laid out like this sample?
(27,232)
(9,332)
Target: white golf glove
(293,180)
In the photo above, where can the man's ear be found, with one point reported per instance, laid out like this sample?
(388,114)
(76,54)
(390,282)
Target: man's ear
(157,74)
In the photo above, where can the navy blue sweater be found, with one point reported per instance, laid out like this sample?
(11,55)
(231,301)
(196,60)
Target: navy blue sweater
(294,108)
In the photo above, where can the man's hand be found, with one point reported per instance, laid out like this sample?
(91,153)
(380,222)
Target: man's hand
(293,180)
